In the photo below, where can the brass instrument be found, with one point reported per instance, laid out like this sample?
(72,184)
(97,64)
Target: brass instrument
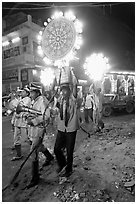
(32,111)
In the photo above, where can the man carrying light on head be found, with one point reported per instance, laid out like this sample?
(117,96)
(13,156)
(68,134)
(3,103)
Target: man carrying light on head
(67,127)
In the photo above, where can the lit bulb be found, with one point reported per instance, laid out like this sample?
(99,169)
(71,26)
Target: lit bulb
(78,26)
(39,47)
(34,72)
(40,51)
(15,39)
(106,59)
(60,13)
(48,20)
(45,23)
(39,37)
(70,16)
(5,43)
(56,15)
(40,32)
(77,47)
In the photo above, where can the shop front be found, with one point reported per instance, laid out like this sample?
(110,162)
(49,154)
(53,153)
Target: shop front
(122,83)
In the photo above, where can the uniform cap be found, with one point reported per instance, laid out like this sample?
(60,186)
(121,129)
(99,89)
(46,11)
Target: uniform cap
(64,86)
(35,87)
(26,89)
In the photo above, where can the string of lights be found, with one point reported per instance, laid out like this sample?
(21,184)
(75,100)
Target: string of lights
(63,6)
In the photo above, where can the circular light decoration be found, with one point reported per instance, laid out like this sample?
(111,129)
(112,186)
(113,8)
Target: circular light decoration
(95,66)
(61,38)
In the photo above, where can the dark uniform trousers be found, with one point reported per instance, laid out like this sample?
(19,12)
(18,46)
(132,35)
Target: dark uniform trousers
(88,113)
(65,140)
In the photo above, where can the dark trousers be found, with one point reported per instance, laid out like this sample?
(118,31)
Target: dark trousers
(88,113)
(65,140)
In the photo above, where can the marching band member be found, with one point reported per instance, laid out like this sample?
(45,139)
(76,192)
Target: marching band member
(39,104)
(20,124)
(14,101)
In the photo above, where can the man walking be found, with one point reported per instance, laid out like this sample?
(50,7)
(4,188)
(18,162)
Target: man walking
(67,128)
(37,131)
(20,130)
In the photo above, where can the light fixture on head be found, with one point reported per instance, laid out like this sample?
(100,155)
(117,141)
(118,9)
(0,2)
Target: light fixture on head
(61,38)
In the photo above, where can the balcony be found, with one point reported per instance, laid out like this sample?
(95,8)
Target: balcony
(18,60)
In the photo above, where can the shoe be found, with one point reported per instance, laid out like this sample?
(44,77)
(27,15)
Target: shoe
(18,150)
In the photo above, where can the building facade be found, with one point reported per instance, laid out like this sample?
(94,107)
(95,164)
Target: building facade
(19,52)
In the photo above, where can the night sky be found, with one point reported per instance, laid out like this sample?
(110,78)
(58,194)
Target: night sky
(108,28)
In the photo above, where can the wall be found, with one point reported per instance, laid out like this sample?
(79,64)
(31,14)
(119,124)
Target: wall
(18,57)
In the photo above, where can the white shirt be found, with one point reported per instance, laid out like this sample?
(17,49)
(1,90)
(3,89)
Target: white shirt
(89,102)
(73,123)
(19,119)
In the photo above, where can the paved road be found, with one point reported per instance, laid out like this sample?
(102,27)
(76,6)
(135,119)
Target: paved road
(7,141)
(9,168)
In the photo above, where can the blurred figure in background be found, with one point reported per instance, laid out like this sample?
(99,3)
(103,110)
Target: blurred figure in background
(97,108)
(88,107)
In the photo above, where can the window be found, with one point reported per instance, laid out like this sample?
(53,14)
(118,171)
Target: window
(25,40)
(16,51)
(11,52)
(24,49)
(35,48)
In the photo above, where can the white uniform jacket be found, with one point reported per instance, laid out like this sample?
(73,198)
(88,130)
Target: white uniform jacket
(38,104)
(19,119)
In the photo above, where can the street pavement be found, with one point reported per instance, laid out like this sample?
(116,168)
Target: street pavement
(9,167)
(7,142)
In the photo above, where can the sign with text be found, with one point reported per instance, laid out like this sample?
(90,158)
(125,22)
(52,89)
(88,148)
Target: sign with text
(24,75)
(10,75)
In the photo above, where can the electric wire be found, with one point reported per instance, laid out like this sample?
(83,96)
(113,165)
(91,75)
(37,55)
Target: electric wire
(63,6)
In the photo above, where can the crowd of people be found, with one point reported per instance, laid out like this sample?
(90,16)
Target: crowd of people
(65,105)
